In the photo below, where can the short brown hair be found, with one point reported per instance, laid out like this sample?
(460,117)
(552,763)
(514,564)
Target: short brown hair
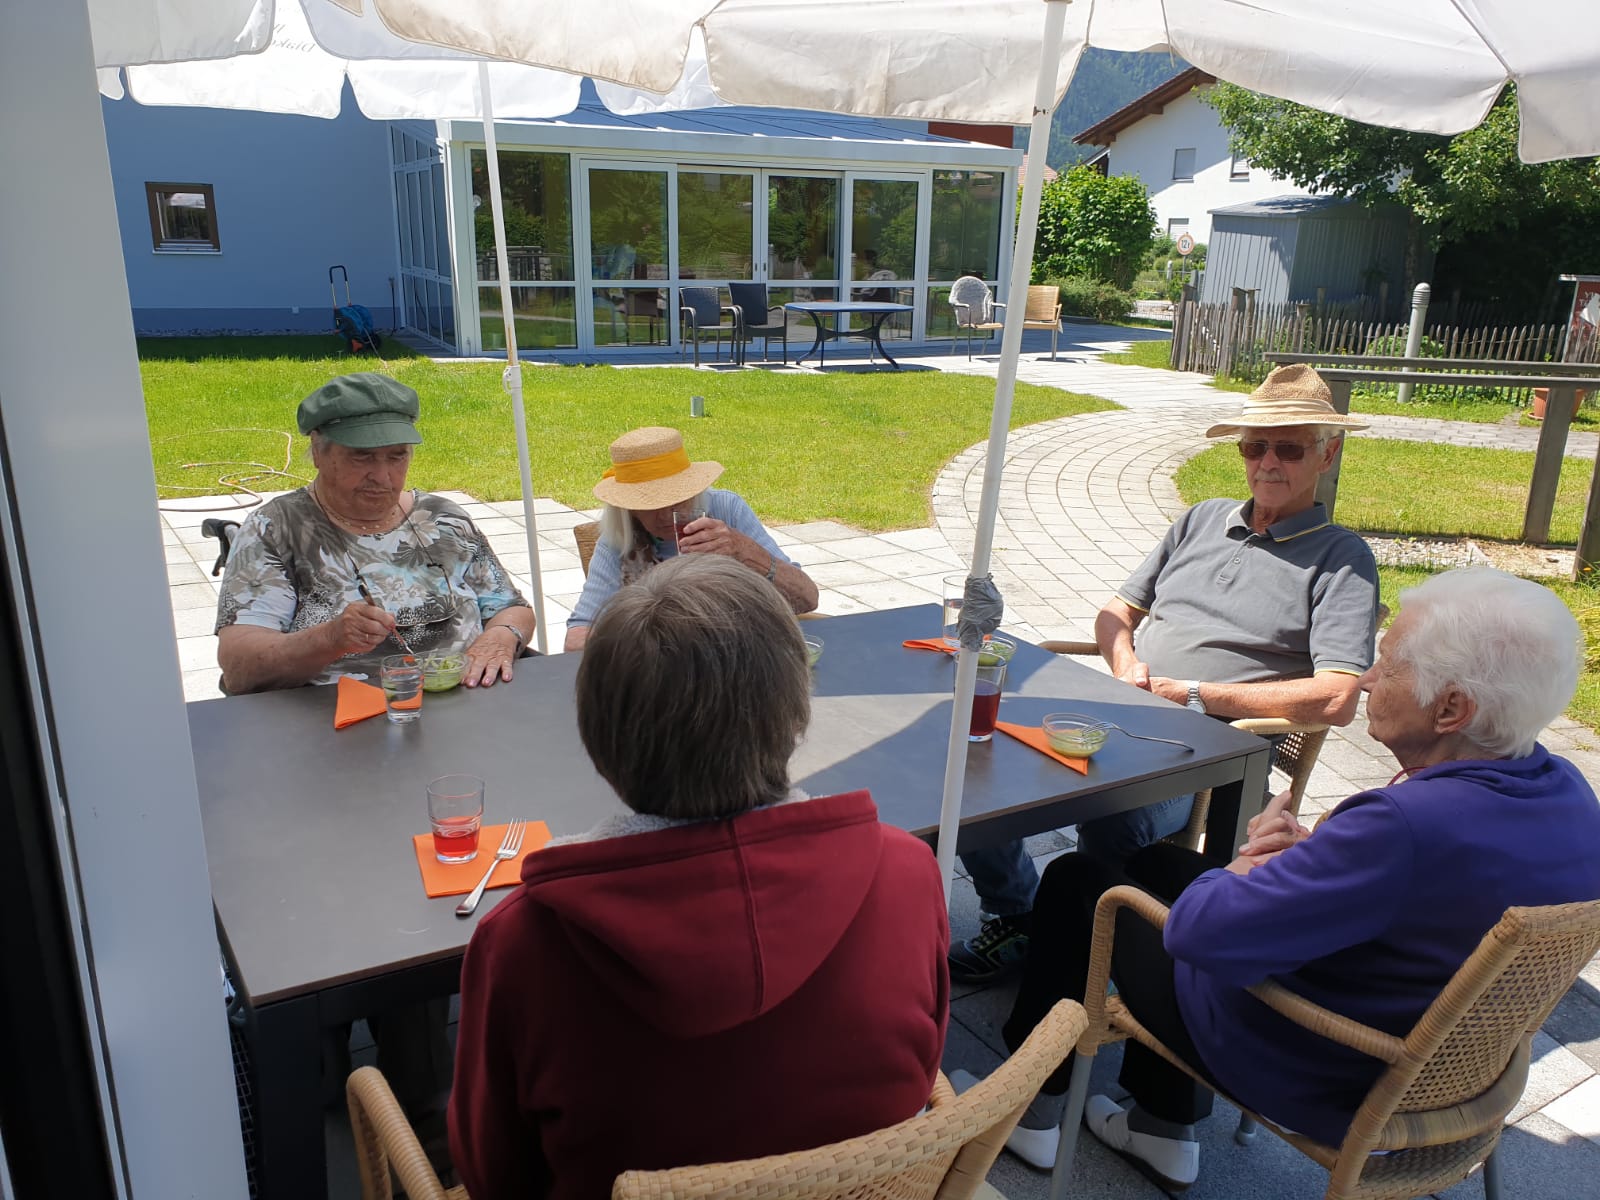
(694,690)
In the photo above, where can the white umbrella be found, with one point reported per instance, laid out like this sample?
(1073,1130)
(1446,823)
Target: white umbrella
(1431,65)
(302,70)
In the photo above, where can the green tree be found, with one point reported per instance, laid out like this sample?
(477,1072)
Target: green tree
(1453,188)
(1094,226)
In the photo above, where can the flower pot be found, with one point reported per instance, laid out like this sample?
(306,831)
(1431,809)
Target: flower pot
(1541,397)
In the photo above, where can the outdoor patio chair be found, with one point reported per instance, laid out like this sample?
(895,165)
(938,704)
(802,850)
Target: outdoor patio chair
(943,1152)
(975,307)
(1438,1109)
(1295,755)
(1044,312)
(702,314)
(224,531)
(755,319)
(586,535)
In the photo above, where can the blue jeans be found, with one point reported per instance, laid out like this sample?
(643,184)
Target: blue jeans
(1006,879)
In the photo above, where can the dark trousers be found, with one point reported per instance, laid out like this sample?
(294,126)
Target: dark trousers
(1058,966)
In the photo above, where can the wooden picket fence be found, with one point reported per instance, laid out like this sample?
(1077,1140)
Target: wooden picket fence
(1230,340)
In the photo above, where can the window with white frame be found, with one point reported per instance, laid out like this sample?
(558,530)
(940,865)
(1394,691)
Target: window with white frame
(1183,163)
(1177,225)
(1239,168)
(183,217)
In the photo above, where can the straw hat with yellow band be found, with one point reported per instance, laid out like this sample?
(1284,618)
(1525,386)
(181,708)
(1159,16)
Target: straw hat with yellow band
(650,469)
(1291,395)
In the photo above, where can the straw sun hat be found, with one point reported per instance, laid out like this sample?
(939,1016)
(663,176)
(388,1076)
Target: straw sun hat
(1292,395)
(650,469)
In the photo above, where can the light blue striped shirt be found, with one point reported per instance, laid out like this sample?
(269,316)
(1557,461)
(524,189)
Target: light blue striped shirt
(605,568)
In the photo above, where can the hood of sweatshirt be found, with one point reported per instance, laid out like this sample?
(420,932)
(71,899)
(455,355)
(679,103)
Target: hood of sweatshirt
(701,927)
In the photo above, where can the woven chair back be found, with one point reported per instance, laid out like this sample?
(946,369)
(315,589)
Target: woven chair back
(1042,301)
(974,293)
(586,535)
(943,1153)
(752,297)
(706,303)
(1515,977)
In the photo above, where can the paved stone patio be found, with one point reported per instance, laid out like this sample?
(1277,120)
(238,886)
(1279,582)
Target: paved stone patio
(1083,499)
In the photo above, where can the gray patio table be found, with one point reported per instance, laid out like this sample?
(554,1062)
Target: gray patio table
(842,310)
(318,898)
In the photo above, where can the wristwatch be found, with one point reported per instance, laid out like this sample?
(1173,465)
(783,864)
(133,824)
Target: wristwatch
(1194,700)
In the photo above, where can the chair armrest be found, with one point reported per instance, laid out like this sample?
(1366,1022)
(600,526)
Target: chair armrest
(1328,1024)
(385,1139)
(1084,649)
(996,304)
(1057,317)
(738,314)
(1272,726)
(963,307)
(1105,928)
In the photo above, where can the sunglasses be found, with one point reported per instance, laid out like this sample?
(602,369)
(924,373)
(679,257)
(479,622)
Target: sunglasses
(1288,452)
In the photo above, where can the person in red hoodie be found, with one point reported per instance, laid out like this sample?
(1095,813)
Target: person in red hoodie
(731,970)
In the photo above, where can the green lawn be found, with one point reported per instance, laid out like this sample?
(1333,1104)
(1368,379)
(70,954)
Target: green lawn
(1418,488)
(859,448)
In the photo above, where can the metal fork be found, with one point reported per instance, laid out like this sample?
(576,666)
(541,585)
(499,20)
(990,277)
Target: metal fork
(510,847)
(1145,737)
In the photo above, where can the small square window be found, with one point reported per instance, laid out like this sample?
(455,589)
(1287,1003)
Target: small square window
(1183,163)
(1239,168)
(1177,225)
(183,217)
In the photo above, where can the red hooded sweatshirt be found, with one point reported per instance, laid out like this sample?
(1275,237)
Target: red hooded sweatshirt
(696,994)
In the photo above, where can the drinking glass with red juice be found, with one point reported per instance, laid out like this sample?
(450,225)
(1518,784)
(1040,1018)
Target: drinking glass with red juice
(986,701)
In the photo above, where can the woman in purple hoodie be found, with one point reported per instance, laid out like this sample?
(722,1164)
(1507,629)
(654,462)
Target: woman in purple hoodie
(1370,917)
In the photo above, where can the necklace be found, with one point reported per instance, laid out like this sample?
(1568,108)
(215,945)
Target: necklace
(382,525)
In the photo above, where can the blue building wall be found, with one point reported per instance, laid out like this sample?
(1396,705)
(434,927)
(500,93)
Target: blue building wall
(294,195)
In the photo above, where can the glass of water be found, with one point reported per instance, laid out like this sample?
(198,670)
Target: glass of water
(402,687)
(955,590)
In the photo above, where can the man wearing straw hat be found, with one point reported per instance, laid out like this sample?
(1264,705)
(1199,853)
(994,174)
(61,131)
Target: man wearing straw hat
(1260,609)
(649,479)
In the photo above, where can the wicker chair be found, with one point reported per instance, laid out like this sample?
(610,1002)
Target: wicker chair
(586,535)
(755,320)
(1044,312)
(944,1152)
(1439,1108)
(975,307)
(1296,755)
(700,315)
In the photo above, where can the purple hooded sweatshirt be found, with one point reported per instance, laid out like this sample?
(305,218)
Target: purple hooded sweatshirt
(1370,918)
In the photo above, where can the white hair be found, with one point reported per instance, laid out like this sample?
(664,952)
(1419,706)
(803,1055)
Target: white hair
(1508,643)
(617,528)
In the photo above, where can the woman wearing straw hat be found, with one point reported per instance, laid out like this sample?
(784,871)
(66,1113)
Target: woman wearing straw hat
(650,476)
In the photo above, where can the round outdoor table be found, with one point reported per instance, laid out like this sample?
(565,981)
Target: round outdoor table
(878,311)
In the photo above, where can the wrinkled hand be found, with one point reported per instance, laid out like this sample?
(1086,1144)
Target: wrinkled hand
(489,657)
(359,628)
(1169,689)
(707,535)
(1270,832)
(1137,673)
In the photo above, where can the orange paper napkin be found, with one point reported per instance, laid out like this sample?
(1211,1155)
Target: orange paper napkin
(457,879)
(927,644)
(1033,736)
(357,702)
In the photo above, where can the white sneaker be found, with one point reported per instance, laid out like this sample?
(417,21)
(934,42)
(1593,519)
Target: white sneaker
(1169,1163)
(1036,1147)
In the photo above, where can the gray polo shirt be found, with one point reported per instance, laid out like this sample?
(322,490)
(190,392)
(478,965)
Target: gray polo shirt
(1229,605)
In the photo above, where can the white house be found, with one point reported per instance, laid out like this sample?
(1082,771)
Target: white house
(1179,148)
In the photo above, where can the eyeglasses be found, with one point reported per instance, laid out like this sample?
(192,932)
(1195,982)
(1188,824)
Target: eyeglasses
(1286,451)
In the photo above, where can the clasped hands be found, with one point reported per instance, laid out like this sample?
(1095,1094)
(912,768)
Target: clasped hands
(1270,832)
(1138,674)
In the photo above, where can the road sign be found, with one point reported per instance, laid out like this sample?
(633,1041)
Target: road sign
(1185,244)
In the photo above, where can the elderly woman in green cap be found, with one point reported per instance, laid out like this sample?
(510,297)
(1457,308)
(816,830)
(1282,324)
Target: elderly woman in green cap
(320,578)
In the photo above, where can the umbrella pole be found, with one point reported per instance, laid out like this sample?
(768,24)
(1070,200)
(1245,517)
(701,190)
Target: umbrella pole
(512,377)
(955,769)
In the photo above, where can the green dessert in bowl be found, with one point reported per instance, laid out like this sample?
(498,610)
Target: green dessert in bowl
(997,648)
(1073,735)
(441,672)
(813,650)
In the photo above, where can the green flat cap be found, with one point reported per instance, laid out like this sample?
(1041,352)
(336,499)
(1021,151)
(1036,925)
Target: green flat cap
(362,411)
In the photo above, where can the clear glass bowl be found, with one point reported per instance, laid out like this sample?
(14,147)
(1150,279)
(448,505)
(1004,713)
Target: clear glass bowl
(813,650)
(996,648)
(1073,735)
(441,672)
